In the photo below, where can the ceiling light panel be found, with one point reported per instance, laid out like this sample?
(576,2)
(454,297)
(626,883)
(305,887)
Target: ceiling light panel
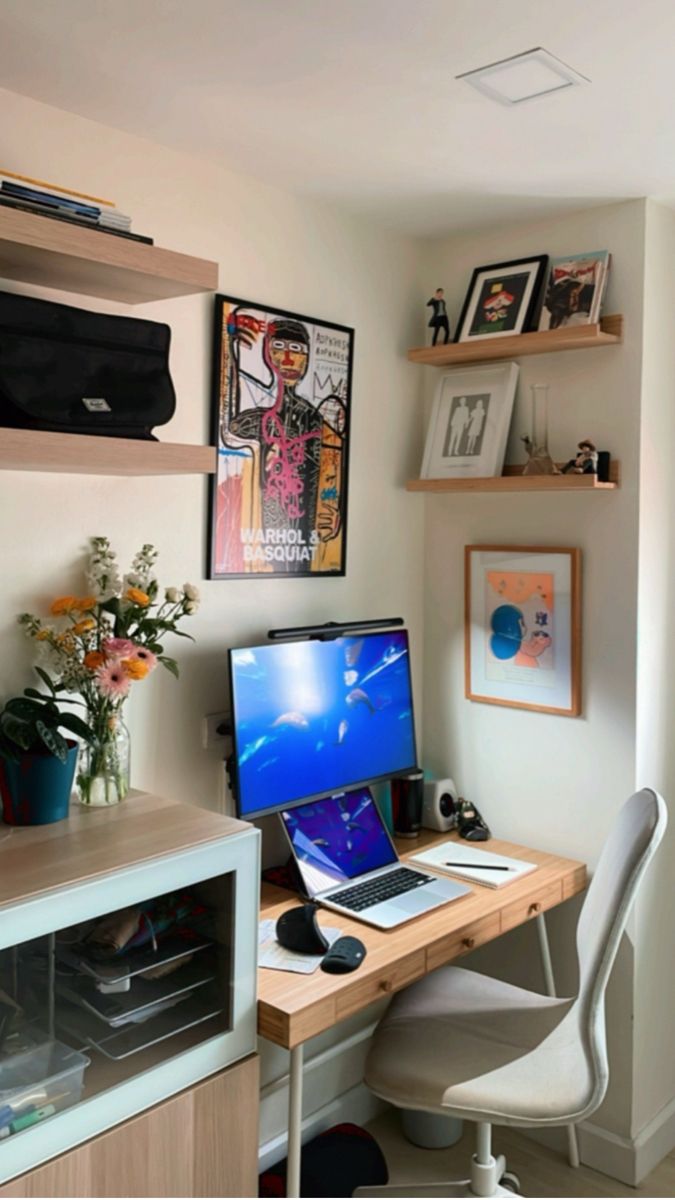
(524,77)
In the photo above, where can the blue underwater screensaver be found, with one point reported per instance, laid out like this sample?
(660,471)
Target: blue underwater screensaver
(313,718)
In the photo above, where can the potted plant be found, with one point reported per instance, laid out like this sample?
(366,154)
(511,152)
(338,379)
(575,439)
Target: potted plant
(37,763)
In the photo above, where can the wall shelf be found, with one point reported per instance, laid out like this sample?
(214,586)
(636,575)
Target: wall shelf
(572,337)
(40,250)
(35,450)
(513,481)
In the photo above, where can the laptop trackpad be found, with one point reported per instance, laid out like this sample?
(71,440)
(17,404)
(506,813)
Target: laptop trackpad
(417,901)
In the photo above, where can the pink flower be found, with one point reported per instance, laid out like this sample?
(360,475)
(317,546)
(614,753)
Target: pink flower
(118,647)
(112,681)
(144,655)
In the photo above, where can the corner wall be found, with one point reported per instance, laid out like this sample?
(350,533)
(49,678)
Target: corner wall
(554,782)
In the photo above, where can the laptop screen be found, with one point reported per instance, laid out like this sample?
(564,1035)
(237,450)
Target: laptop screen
(337,839)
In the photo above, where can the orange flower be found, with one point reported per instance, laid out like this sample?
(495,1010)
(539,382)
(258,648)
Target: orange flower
(137,597)
(93,660)
(85,604)
(64,604)
(42,635)
(84,625)
(134,668)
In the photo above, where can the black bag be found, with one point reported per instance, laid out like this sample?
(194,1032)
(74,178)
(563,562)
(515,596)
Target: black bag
(68,370)
(335,1163)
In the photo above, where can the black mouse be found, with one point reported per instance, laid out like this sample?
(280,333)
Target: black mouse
(346,954)
(298,929)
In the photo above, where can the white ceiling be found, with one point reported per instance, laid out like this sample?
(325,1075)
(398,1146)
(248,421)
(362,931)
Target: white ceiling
(355,101)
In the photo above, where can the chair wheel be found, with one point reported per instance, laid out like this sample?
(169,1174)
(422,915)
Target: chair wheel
(511,1181)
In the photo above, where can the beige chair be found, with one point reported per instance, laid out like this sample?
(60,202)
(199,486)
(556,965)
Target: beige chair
(470,1046)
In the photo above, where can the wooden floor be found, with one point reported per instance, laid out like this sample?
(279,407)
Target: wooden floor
(542,1172)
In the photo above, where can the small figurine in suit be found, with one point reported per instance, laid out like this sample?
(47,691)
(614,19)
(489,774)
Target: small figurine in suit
(439,319)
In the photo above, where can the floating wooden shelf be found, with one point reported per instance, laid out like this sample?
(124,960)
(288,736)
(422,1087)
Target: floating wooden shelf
(514,481)
(55,254)
(571,337)
(77,454)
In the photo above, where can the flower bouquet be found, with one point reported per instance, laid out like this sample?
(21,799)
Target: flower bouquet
(99,646)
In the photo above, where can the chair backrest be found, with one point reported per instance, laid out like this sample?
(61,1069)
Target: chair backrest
(632,841)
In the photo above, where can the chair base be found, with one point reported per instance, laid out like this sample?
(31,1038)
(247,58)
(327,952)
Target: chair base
(484,1181)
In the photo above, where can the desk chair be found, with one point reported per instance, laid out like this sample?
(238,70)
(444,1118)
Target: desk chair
(470,1046)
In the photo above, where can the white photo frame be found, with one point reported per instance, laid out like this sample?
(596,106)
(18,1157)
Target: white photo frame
(469,425)
(523,627)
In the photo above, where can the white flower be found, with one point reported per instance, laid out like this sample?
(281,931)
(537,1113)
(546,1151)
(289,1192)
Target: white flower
(173,595)
(191,591)
(191,607)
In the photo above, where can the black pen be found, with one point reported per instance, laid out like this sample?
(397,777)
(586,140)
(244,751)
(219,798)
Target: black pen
(478,866)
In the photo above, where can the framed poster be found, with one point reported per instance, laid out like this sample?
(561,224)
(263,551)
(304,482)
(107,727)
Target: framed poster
(503,299)
(281,409)
(470,422)
(523,627)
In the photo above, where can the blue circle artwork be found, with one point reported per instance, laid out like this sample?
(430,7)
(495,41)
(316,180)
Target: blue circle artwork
(508,630)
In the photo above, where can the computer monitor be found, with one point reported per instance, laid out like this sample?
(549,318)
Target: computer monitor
(315,718)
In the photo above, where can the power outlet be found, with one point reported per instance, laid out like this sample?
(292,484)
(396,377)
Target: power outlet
(211,738)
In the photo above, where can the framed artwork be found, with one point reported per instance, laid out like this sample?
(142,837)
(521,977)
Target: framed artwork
(503,299)
(523,627)
(470,422)
(575,289)
(281,417)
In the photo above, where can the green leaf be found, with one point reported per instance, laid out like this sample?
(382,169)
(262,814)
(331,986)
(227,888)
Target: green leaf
(45,679)
(23,708)
(17,731)
(170,664)
(53,741)
(33,694)
(76,725)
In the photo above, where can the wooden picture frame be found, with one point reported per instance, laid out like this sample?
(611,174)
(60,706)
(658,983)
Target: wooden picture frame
(522,627)
(503,299)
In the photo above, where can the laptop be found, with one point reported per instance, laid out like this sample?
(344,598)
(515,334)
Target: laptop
(348,862)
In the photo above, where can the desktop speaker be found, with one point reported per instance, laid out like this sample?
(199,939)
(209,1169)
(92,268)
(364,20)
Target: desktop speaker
(440,805)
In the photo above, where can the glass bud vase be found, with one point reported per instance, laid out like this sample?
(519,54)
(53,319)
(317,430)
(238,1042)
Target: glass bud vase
(103,768)
(539,461)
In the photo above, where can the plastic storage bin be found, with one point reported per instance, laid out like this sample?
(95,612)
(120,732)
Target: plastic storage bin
(49,1073)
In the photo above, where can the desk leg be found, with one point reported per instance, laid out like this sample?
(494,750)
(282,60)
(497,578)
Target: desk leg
(545,951)
(294,1122)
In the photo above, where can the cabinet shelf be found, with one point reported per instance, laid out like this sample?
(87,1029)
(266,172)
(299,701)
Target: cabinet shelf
(82,454)
(40,250)
(513,481)
(609,332)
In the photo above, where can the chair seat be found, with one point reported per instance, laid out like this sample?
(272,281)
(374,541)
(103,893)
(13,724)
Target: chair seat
(475,1047)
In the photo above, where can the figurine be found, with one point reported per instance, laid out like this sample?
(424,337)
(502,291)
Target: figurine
(586,461)
(439,320)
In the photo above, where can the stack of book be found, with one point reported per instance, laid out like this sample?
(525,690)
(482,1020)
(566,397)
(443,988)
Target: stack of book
(62,204)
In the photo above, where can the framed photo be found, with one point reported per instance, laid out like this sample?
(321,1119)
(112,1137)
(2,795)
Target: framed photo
(503,299)
(281,420)
(523,627)
(470,422)
(575,289)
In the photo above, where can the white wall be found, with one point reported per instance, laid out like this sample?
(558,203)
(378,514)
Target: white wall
(271,247)
(554,782)
(655,964)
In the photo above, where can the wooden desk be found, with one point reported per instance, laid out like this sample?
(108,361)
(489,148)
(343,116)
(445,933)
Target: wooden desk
(293,1008)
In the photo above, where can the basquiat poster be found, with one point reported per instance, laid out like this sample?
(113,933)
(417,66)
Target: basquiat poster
(282,385)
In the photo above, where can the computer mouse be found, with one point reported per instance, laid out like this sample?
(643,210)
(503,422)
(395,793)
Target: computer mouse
(346,954)
(298,929)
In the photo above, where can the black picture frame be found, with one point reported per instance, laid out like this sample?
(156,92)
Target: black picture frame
(526,277)
(280,424)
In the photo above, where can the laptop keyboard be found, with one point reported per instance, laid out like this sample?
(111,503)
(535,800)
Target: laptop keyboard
(384,887)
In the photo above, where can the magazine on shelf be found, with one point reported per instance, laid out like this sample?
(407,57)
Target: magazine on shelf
(575,289)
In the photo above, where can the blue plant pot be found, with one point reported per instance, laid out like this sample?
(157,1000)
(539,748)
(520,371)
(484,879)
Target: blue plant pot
(36,789)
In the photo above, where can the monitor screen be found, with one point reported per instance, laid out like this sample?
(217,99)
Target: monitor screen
(337,838)
(315,718)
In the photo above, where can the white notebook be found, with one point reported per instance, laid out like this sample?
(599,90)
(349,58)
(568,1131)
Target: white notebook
(466,862)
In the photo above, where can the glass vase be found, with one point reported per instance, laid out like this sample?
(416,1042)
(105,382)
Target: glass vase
(539,461)
(103,768)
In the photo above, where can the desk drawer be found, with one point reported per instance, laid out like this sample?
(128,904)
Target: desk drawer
(531,906)
(463,941)
(376,987)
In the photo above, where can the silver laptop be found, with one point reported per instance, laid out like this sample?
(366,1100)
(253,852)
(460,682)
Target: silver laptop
(349,863)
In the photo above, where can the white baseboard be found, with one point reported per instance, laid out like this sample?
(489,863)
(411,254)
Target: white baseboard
(333,1091)
(358,1105)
